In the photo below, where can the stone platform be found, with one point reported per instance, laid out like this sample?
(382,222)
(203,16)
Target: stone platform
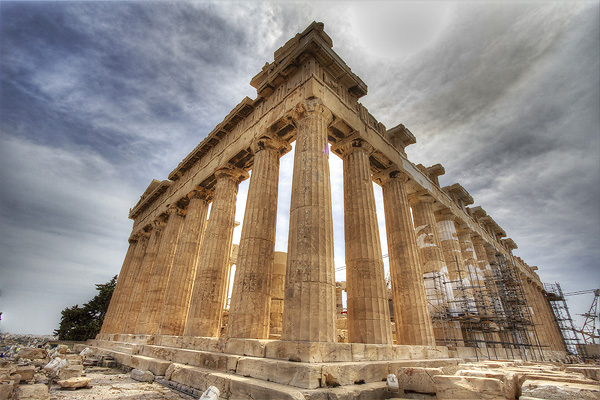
(272,369)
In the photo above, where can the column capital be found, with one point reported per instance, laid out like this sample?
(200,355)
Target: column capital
(444,214)
(235,174)
(267,141)
(200,193)
(158,225)
(347,147)
(310,106)
(464,229)
(422,196)
(174,209)
(394,173)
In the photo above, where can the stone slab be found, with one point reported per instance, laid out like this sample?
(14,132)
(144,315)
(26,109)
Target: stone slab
(417,379)
(74,383)
(302,375)
(470,387)
(550,390)
(156,366)
(141,376)
(31,392)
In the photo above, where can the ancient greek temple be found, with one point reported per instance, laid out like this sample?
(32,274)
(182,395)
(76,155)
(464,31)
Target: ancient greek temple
(456,288)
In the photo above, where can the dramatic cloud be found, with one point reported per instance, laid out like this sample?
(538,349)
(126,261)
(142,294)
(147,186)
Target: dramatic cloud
(98,98)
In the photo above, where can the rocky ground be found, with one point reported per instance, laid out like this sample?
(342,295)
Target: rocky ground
(32,369)
(112,383)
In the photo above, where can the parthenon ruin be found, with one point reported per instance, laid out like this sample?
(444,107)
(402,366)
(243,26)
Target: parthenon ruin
(456,288)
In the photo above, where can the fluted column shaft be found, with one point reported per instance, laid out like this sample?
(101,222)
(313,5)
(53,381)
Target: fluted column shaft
(450,245)
(208,296)
(428,241)
(550,324)
(432,257)
(179,288)
(108,326)
(537,314)
(140,289)
(309,306)
(277,294)
(161,270)
(249,312)
(411,314)
(130,282)
(368,308)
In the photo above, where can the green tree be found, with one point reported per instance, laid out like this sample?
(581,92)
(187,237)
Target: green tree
(82,323)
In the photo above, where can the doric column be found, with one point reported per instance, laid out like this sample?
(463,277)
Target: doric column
(130,281)
(249,311)
(309,306)
(467,249)
(140,288)
(161,270)
(368,308)
(433,262)
(208,296)
(411,314)
(179,288)
(108,326)
(450,245)
(536,313)
(481,254)
(428,241)
(549,322)
(339,299)
(277,294)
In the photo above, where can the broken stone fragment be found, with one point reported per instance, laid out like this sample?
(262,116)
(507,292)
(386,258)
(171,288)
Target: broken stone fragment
(27,372)
(142,376)
(74,383)
(32,353)
(70,371)
(32,392)
(6,390)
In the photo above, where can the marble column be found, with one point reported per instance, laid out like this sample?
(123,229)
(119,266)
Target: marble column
(433,261)
(108,325)
(209,292)
(139,291)
(549,322)
(130,281)
(309,306)
(481,254)
(450,245)
(277,295)
(411,314)
(536,313)
(161,270)
(368,308)
(473,275)
(179,288)
(428,241)
(339,300)
(249,311)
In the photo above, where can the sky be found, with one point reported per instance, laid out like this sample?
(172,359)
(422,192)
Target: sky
(99,98)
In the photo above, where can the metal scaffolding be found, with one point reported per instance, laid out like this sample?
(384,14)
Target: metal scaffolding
(556,298)
(490,308)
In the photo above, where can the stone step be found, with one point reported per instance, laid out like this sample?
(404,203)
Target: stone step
(297,374)
(230,385)
(285,350)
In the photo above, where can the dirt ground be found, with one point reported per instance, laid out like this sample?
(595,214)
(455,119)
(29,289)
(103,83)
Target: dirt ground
(111,383)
